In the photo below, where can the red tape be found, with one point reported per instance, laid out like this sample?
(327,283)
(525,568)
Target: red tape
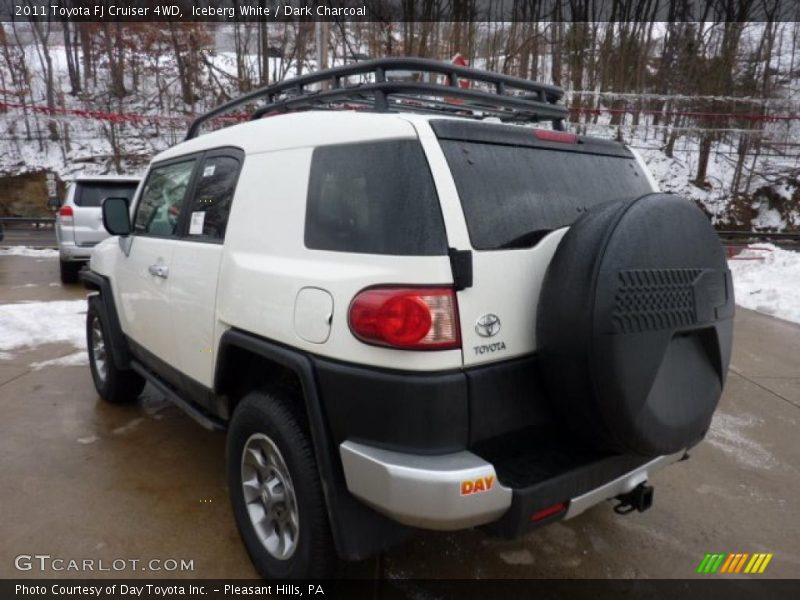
(116,117)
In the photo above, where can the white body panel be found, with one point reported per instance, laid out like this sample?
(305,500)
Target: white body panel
(143,299)
(193,281)
(506,282)
(88,225)
(508,286)
(266,265)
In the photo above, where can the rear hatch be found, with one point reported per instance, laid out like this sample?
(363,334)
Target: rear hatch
(88,199)
(519,189)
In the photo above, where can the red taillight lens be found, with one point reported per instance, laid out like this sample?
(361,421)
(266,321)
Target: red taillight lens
(548,135)
(408,318)
(65,211)
(550,511)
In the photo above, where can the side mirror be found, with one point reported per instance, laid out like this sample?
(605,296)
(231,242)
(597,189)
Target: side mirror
(53,203)
(116,218)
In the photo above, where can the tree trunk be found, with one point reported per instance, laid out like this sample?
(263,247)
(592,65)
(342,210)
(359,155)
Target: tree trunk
(702,160)
(72,67)
(41,36)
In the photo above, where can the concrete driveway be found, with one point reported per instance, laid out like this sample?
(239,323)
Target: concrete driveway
(84,480)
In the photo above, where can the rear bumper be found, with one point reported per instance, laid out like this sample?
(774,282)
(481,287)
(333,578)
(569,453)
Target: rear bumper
(461,490)
(620,485)
(72,252)
(425,491)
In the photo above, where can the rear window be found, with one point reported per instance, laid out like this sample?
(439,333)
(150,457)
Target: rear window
(512,195)
(90,193)
(376,198)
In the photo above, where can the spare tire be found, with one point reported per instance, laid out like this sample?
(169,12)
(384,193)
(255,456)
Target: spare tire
(635,325)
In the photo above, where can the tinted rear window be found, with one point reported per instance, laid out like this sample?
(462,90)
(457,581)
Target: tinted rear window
(93,194)
(510,191)
(376,198)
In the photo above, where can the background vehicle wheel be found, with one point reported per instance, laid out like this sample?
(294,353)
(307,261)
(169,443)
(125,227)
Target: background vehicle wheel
(69,271)
(275,490)
(114,385)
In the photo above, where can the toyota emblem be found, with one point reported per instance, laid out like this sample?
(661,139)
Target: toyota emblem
(488,325)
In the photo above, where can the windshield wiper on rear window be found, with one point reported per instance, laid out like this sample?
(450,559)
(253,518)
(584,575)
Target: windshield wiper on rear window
(526,240)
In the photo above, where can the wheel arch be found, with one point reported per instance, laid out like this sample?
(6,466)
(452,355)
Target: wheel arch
(108,314)
(358,531)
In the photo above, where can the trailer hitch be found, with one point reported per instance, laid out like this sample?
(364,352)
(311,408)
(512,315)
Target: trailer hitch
(639,498)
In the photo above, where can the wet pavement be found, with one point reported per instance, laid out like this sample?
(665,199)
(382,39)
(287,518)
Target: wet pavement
(85,480)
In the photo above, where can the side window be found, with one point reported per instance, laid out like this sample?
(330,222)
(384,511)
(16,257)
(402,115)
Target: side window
(216,183)
(162,197)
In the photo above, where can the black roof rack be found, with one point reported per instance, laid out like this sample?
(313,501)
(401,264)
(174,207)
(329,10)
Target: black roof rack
(511,99)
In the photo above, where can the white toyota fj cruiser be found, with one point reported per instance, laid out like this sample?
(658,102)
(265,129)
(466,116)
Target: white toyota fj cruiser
(407,315)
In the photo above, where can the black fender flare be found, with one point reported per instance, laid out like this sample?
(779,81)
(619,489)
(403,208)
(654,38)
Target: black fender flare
(358,531)
(109,316)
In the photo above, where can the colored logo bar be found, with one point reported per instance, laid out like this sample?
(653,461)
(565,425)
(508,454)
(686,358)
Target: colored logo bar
(741,562)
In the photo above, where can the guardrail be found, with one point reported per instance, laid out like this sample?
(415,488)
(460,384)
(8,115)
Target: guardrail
(787,236)
(27,220)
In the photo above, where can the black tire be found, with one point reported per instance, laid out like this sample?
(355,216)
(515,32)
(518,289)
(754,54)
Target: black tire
(267,414)
(69,271)
(118,386)
(635,325)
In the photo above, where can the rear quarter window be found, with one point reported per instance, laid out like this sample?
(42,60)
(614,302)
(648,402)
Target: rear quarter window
(376,198)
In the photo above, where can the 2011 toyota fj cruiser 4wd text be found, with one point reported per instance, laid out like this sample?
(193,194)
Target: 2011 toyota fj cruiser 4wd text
(413,311)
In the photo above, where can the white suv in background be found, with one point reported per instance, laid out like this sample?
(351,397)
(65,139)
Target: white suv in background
(407,317)
(79,221)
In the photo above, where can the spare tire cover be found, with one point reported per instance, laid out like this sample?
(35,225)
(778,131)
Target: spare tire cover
(635,325)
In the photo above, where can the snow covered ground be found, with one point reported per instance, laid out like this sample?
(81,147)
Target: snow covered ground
(30,252)
(767,279)
(26,325)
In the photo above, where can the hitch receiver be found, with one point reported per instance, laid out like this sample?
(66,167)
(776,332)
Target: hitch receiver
(639,498)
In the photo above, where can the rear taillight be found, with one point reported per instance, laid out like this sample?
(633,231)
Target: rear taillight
(407,318)
(65,211)
(548,135)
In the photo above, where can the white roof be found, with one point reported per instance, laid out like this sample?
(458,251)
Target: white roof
(303,129)
(100,178)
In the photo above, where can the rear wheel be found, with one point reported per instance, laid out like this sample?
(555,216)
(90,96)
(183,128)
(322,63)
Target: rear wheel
(275,490)
(69,271)
(115,385)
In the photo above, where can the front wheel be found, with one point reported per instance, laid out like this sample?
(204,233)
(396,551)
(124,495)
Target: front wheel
(115,385)
(275,490)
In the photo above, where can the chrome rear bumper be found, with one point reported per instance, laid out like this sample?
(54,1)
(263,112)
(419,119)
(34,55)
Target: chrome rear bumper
(620,485)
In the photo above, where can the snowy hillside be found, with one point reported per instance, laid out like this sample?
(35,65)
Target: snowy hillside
(752,180)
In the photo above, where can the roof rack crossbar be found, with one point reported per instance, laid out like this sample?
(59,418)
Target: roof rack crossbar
(534,102)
